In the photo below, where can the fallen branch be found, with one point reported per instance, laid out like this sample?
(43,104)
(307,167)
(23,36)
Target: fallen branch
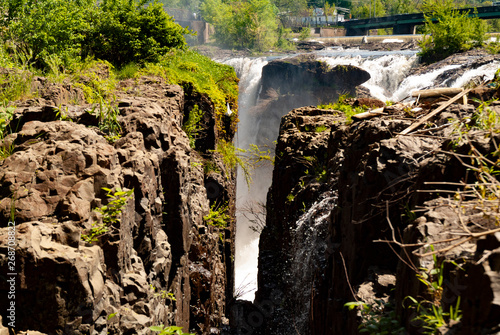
(435,112)
(437,92)
(472,235)
(368,114)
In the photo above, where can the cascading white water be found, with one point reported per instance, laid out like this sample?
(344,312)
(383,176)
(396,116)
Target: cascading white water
(249,198)
(309,241)
(386,71)
(482,73)
(389,81)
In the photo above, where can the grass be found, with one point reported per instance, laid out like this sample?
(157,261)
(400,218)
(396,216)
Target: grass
(6,114)
(98,80)
(194,71)
(344,107)
(15,84)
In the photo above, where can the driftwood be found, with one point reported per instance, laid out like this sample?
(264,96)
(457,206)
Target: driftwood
(437,92)
(434,113)
(368,114)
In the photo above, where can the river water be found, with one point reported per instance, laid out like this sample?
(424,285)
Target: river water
(390,81)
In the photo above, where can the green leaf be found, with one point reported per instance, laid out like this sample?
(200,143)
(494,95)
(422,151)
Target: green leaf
(156,328)
(353,304)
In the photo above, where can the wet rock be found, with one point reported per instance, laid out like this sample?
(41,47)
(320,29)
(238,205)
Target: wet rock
(305,74)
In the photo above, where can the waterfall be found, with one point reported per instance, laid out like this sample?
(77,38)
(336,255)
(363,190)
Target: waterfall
(249,198)
(389,82)
(310,244)
(386,71)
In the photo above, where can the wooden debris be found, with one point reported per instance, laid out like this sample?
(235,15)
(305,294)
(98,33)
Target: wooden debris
(437,92)
(434,113)
(368,114)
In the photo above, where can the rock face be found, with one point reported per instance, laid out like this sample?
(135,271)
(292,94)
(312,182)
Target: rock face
(305,73)
(160,263)
(299,81)
(336,193)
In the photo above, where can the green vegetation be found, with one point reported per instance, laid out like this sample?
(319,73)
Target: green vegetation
(247,159)
(16,83)
(110,214)
(192,126)
(61,32)
(342,106)
(369,9)
(169,330)
(163,294)
(430,311)
(6,114)
(108,120)
(381,318)
(195,72)
(92,44)
(448,32)
(321,129)
(304,33)
(377,318)
(217,216)
(242,24)
(231,158)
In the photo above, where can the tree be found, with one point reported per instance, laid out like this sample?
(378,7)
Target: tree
(373,8)
(448,31)
(127,31)
(328,9)
(290,7)
(119,31)
(393,7)
(40,28)
(248,24)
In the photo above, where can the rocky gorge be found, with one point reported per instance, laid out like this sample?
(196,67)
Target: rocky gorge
(360,211)
(369,216)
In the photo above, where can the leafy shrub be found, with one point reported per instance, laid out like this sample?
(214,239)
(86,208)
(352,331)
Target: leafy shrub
(125,31)
(192,126)
(217,217)
(448,31)
(45,27)
(304,33)
(283,36)
(119,31)
(110,213)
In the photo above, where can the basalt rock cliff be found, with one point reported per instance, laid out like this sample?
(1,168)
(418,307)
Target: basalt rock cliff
(358,213)
(160,263)
(299,81)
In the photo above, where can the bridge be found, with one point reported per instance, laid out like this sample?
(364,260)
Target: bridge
(403,24)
